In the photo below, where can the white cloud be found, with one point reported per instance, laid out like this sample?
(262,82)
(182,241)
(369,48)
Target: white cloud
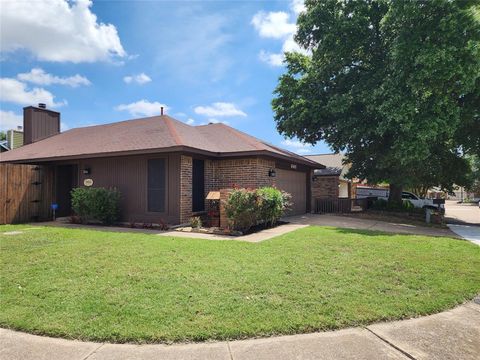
(190,121)
(297,146)
(12,90)
(64,126)
(9,120)
(40,77)
(297,6)
(219,109)
(276,25)
(58,30)
(273,24)
(271,58)
(142,108)
(139,79)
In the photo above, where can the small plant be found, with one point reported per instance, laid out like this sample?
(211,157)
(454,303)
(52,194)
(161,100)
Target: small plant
(96,204)
(195,222)
(74,219)
(163,225)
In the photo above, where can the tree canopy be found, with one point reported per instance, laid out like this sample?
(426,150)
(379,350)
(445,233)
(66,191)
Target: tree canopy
(393,84)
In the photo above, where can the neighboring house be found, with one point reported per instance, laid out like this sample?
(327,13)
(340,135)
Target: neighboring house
(15,138)
(4,145)
(330,182)
(163,168)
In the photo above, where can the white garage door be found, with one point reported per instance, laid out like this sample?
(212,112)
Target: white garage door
(295,183)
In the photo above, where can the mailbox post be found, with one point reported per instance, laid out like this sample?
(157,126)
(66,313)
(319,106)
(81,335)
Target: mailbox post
(54,208)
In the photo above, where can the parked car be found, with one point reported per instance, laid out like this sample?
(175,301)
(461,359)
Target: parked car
(382,193)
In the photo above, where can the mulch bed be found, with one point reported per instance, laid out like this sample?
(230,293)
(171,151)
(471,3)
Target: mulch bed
(219,231)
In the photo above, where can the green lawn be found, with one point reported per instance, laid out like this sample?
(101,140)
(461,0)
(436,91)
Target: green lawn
(122,287)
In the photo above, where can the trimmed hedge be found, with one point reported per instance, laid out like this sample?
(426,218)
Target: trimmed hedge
(246,208)
(404,206)
(96,204)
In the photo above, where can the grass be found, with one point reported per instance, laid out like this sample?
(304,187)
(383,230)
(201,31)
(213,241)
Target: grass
(125,287)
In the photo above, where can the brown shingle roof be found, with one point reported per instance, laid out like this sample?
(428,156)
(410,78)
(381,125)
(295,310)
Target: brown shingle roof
(152,134)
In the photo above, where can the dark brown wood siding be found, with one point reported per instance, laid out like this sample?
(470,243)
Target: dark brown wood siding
(39,124)
(129,175)
(26,193)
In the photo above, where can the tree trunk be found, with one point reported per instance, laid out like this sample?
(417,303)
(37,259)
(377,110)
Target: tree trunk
(395,194)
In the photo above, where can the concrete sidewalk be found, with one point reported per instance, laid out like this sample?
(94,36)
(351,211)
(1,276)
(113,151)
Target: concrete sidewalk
(453,334)
(468,232)
(367,224)
(253,238)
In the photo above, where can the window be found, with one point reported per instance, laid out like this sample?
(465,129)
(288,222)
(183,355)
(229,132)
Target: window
(408,196)
(156,185)
(198,185)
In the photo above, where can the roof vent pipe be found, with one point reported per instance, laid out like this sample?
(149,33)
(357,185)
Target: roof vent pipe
(42,106)
(161,110)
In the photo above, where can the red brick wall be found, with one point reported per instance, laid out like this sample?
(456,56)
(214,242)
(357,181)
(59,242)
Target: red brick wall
(185,188)
(223,174)
(246,172)
(325,187)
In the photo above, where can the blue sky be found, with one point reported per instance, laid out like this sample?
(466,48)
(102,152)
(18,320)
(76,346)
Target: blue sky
(106,61)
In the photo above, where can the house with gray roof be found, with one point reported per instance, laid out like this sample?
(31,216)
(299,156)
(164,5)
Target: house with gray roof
(162,167)
(330,181)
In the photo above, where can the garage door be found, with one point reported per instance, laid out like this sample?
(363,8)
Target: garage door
(295,183)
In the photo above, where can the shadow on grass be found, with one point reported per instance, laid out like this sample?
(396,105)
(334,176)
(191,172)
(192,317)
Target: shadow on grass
(374,233)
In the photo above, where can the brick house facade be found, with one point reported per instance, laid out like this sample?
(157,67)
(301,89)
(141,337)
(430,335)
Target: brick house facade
(325,187)
(249,172)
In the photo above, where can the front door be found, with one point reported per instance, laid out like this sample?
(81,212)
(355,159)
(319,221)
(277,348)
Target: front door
(65,181)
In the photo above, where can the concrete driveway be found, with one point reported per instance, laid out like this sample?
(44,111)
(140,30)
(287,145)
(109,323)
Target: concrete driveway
(462,213)
(368,224)
(464,220)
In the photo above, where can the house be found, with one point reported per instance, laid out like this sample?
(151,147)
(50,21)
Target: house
(4,146)
(13,141)
(15,138)
(163,168)
(330,181)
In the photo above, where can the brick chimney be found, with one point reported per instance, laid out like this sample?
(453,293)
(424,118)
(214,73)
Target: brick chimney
(39,123)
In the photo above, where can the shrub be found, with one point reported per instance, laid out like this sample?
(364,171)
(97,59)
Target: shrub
(241,209)
(195,222)
(404,206)
(272,204)
(246,208)
(96,204)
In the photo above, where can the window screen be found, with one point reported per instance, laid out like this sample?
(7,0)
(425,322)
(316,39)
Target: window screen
(156,185)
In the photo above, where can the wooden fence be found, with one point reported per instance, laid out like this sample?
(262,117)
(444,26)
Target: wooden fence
(26,193)
(339,205)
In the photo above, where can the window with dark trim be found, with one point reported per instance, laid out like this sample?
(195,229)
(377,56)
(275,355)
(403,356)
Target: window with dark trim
(156,185)
(198,185)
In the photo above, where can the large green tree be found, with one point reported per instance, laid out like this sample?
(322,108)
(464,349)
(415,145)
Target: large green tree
(388,82)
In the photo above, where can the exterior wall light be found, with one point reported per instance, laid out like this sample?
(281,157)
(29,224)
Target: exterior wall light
(272,173)
(86,171)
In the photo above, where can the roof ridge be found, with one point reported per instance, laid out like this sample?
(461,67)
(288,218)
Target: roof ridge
(173,130)
(246,137)
(332,153)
